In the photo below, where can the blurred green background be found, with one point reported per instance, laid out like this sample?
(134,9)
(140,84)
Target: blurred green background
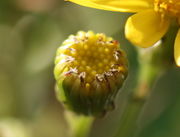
(30,32)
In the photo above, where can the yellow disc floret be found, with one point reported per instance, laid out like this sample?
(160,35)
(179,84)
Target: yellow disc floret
(168,7)
(90,55)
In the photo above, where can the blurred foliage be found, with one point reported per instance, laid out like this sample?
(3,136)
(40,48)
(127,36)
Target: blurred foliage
(30,32)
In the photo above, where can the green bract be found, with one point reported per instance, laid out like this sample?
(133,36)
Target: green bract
(89,70)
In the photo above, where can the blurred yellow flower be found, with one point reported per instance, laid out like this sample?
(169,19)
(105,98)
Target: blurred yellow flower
(151,22)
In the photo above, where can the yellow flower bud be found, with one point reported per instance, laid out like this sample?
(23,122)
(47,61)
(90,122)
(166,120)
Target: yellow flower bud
(89,70)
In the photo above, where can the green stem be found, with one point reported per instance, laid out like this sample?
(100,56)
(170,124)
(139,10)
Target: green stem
(146,77)
(151,64)
(80,125)
(128,123)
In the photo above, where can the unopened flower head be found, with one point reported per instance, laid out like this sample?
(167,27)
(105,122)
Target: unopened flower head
(89,69)
(151,22)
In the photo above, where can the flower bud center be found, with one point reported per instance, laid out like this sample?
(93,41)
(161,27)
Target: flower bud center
(91,56)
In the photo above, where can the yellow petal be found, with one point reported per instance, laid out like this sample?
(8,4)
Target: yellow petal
(144,29)
(177,49)
(117,5)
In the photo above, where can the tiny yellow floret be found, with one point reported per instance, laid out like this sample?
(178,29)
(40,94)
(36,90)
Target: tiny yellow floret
(89,56)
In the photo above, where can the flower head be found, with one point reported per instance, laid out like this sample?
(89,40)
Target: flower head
(150,23)
(89,69)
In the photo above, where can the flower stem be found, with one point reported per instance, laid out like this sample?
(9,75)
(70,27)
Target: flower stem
(80,125)
(152,63)
(146,77)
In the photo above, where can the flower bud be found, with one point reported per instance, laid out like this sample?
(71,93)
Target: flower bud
(89,70)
